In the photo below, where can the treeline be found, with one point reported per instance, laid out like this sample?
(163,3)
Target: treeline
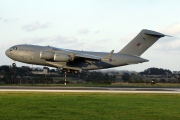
(14,75)
(156,71)
(9,74)
(152,75)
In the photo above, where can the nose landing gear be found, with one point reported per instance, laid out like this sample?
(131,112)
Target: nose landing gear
(14,64)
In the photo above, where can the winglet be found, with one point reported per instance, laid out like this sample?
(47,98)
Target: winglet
(109,55)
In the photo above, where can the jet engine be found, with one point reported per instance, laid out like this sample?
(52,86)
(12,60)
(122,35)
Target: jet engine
(59,57)
(47,55)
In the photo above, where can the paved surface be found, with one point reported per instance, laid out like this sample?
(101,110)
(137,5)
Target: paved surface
(88,89)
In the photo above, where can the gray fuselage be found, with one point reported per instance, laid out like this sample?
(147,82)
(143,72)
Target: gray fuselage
(31,54)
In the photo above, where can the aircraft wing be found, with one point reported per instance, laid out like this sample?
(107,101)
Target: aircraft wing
(79,54)
(87,56)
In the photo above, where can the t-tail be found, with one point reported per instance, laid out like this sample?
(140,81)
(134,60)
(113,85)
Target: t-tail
(144,40)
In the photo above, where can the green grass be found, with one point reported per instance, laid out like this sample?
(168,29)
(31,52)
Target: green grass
(88,106)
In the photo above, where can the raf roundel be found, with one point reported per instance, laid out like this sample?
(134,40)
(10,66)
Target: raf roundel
(138,44)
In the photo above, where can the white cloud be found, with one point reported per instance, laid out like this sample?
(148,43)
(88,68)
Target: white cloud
(171,46)
(34,26)
(129,37)
(83,31)
(173,29)
(97,32)
(63,39)
(53,41)
(89,47)
(8,20)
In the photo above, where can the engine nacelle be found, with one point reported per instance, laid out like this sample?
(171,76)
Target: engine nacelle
(47,55)
(59,57)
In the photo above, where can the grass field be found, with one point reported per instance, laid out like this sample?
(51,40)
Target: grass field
(88,106)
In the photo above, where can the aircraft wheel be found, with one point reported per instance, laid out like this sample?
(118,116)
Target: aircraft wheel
(14,64)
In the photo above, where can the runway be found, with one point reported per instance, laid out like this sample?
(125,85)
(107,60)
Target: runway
(87,89)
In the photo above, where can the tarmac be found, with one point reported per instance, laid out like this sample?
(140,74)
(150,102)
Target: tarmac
(88,89)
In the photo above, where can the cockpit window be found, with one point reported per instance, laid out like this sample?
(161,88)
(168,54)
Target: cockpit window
(14,48)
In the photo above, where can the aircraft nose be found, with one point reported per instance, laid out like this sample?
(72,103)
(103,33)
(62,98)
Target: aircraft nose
(7,52)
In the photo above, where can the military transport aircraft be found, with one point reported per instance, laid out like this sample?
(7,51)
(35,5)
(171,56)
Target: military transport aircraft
(75,61)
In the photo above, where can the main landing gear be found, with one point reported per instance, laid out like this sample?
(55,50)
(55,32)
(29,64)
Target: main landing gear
(65,71)
(69,70)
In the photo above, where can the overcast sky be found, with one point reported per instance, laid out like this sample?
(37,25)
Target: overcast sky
(93,25)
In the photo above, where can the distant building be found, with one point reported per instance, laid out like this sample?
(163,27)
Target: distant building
(45,71)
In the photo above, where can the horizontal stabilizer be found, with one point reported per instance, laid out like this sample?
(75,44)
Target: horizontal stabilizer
(153,33)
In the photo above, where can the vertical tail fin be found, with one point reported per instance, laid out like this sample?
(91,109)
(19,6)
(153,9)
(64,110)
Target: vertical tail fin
(144,40)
